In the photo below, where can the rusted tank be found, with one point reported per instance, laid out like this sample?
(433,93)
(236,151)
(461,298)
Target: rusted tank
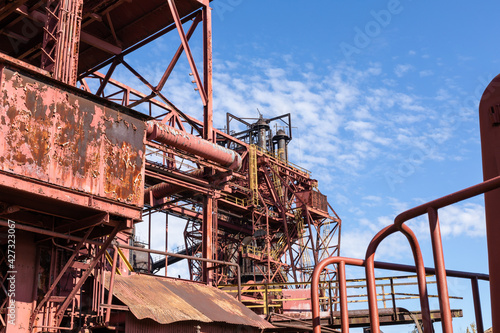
(54,135)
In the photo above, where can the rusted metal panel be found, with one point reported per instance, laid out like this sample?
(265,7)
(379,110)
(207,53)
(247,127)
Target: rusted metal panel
(56,136)
(168,301)
(314,199)
(297,300)
(318,201)
(134,325)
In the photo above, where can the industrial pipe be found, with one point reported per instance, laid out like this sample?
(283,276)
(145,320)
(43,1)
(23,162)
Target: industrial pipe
(168,135)
(420,268)
(163,190)
(489,115)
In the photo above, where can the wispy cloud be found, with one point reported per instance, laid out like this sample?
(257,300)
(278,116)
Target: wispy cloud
(402,69)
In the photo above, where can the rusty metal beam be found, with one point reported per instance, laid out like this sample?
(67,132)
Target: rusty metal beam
(99,43)
(177,55)
(76,288)
(187,50)
(207,74)
(69,262)
(10,8)
(138,45)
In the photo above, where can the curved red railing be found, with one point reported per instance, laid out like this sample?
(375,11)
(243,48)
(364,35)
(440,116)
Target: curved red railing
(440,271)
(370,276)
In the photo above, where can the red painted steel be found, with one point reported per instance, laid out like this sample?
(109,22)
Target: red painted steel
(315,290)
(51,134)
(379,265)
(442,285)
(420,268)
(477,305)
(168,135)
(344,313)
(168,301)
(111,284)
(489,113)
(431,208)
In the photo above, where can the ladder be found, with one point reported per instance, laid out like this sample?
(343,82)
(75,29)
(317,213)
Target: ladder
(252,170)
(277,182)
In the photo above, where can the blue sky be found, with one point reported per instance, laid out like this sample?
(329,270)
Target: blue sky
(384,97)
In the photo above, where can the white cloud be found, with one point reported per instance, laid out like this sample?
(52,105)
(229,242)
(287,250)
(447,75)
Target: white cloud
(462,219)
(426,72)
(402,69)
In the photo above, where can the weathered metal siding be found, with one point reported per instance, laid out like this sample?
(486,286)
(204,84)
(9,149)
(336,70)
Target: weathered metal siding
(56,136)
(168,301)
(134,325)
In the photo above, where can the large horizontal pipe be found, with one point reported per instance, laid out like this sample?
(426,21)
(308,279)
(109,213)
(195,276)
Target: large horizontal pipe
(163,190)
(193,144)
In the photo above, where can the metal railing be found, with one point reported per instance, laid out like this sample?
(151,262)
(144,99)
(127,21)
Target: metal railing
(431,209)
(270,296)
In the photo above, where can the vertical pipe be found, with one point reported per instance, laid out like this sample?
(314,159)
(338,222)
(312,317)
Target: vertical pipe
(103,288)
(330,299)
(149,243)
(490,133)
(94,291)
(383,297)
(266,298)
(437,249)
(34,292)
(207,233)
(111,285)
(207,74)
(477,305)
(238,271)
(207,135)
(393,296)
(344,314)
(166,242)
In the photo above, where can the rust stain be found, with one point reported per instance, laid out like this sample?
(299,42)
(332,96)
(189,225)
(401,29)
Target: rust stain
(56,136)
(168,301)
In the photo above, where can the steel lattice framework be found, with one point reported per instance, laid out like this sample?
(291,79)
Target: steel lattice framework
(107,155)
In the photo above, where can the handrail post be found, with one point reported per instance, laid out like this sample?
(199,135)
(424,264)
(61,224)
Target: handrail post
(266,303)
(393,296)
(437,249)
(330,300)
(111,285)
(477,305)
(344,314)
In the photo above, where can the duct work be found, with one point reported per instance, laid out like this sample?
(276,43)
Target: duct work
(189,143)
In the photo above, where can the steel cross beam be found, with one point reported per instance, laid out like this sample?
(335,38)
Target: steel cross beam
(60,311)
(185,45)
(59,277)
(177,55)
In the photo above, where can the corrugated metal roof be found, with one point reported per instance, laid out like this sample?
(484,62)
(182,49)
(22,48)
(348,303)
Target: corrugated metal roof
(167,301)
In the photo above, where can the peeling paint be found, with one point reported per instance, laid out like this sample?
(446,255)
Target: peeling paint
(56,136)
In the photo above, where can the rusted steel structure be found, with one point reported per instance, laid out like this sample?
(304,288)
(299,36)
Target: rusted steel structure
(83,157)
